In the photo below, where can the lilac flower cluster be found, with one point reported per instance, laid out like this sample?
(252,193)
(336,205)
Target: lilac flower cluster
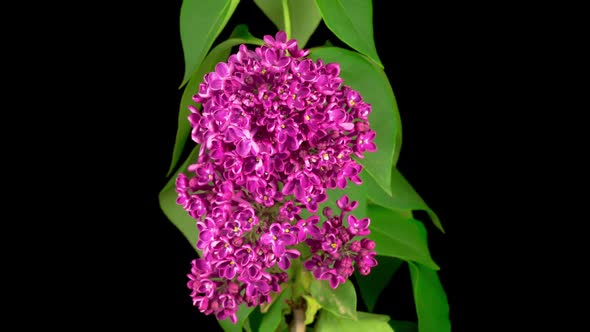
(336,249)
(276,131)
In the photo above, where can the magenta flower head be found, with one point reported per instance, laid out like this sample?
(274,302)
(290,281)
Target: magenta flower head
(276,131)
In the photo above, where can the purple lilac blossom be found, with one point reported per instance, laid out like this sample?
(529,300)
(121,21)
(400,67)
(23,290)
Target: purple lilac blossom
(336,248)
(276,130)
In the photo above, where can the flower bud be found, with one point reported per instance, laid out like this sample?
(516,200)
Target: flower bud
(237,242)
(355,246)
(368,244)
(233,288)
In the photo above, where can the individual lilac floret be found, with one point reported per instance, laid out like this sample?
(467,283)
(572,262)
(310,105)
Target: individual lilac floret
(275,131)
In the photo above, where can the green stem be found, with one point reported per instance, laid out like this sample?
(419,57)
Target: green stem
(287,18)
(301,280)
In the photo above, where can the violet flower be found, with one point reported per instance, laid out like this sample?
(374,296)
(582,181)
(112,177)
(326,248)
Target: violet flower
(337,247)
(278,237)
(276,130)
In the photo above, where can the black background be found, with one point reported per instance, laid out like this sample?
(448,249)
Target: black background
(127,263)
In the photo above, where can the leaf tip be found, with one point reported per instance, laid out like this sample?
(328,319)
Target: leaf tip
(170,169)
(184,81)
(435,266)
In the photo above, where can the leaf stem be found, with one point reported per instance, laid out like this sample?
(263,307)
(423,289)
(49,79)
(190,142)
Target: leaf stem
(287,18)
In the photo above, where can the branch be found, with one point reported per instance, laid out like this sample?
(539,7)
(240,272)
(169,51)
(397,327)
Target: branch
(298,322)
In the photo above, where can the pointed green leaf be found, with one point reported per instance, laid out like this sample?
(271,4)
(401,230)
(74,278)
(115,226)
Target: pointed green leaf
(403,197)
(272,318)
(364,76)
(397,144)
(243,313)
(311,309)
(340,301)
(304,17)
(273,9)
(396,235)
(328,322)
(219,53)
(403,326)
(361,315)
(183,128)
(247,326)
(201,21)
(430,298)
(254,319)
(352,22)
(283,327)
(371,285)
(175,213)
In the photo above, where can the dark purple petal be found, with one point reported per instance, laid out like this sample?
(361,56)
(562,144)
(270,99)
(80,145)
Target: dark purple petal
(266,238)
(283,62)
(281,37)
(275,229)
(289,187)
(342,202)
(270,55)
(222,70)
(215,82)
(233,134)
(243,147)
(278,248)
(299,193)
(284,263)
(288,239)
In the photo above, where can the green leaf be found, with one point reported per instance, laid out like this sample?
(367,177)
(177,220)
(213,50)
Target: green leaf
(247,326)
(184,128)
(311,309)
(406,196)
(254,319)
(396,235)
(340,301)
(201,21)
(430,298)
(403,326)
(304,17)
(175,213)
(273,9)
(352,22)
(371,285)
(272,318)
(367,78)
(220,53)
(243,313)
(367,316)
(328,322)
(397,145)
(403,196)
